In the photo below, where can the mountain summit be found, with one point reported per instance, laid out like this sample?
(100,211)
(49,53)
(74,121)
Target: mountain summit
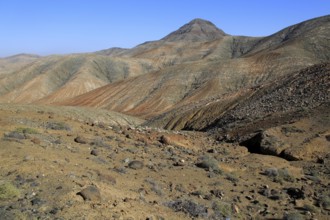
(196,30)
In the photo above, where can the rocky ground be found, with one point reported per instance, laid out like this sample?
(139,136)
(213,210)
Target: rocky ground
(54,166)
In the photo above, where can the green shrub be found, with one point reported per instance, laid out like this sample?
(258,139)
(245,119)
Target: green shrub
(209,163)
(58,126)
(26,130)
(279,175)
(222,209)
(8,191)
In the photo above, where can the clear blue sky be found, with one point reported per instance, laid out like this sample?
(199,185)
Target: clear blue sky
(71,26)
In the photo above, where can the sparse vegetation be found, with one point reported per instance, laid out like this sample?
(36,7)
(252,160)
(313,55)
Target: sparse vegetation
(189,207)
(8,191)
(58,126)
(66,162)
(232,177)
(279,175)
(209,163)
(26,130)
(221,209)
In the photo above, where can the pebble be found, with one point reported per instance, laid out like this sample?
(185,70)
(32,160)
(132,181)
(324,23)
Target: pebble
(107,178)
(37,201)
(95,152)
(136,165)
(90,193)
(80,140)
(28,158)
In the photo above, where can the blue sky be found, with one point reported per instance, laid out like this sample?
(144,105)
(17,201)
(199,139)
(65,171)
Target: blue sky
(72,26)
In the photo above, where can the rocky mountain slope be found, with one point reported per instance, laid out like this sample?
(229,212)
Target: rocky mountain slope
(231,67)
(290,94)
(195,62)
(251,115)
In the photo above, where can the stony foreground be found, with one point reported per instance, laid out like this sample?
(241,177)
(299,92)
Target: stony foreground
(57,167)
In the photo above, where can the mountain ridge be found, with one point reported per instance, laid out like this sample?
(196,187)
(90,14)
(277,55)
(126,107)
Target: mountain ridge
(201,125)
(193,69)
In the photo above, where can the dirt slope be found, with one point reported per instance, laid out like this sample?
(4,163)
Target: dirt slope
(236,69)
(58,167)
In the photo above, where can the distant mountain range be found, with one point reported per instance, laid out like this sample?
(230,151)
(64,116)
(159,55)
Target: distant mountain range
(197,77)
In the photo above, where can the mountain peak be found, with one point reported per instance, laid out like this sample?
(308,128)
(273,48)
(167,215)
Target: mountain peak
(196,30)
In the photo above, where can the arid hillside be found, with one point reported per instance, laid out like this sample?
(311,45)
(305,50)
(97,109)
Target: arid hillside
(196,62)
(197,125)
(75,163)
(231,68)
(55,78)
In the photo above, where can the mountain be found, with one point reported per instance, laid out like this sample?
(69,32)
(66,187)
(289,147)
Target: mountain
(197,125)
(196,30)
(245,111)
(242,64)
(195,64)
(12,63)
(55,78)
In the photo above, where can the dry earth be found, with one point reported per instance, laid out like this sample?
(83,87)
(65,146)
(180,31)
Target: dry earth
(255,112)
(54,166)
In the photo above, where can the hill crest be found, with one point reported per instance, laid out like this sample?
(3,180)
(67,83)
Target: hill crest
(196,30)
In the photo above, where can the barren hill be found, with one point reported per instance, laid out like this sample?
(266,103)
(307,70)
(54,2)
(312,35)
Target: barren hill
(196,62)
(55,78)
(225,127)
(12,63)
(232,66)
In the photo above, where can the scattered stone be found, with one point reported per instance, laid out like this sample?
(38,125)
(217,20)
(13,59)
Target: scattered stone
(81,140)
(188,207)
(35,140)
(248,197)
(37,202)
(28,158)
(179,163)
(107,178)
(156,217)
(121,170)
(265,143)
(54,211)
(165,140)
(235,208)
(275,197)
(217,193)
(15,135)
(90,193)
(295,193)
(294,216)
(95,152)
(136,165)
(212,151)
(327,137)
